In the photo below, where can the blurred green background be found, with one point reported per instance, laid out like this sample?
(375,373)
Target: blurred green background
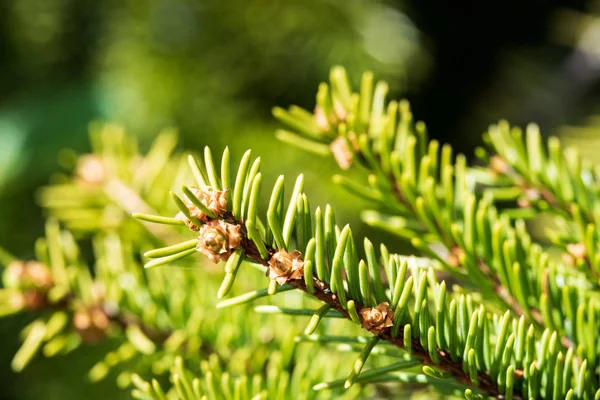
(214,69)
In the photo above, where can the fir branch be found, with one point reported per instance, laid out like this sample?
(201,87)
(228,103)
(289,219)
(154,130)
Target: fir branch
(490,353)
(114,180)
(407,312)
(152,318)
(73,308)
(49,291)
(324,294)
(553,179)
(430,189)
(550,180)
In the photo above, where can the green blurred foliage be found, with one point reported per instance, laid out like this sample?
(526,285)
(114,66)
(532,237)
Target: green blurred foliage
(213,69)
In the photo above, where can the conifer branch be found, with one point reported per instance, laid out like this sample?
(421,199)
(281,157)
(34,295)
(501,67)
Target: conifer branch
(150,319)
(419,330)
(493,354)
(323,293)
(550,180)
(72,306)
(433,191)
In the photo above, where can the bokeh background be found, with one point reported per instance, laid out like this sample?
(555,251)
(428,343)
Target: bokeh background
(214,70)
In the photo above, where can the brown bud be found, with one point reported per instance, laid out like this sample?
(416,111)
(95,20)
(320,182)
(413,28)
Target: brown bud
(454,256)
(218,239)
(34,299)
(40,275)
(16,300)
(376,319)
(91,324)
(339,110)
(577,250)
(31,300)
(90,169)
(217,201)
(499,165)
(523,202)
(342,154)
(214,200)
(532,194)
(285,266)
(321,119)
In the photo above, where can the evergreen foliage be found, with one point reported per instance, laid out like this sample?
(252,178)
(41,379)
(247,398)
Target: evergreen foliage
(486,309)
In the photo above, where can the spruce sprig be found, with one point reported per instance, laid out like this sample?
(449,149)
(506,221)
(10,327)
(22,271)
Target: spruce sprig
(150,316)
(432,200)
(547,179)
(450,334)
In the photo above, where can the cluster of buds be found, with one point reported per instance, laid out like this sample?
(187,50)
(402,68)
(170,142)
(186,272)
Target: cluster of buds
(28,275)
(284,266)
(31,281)
(91,323)
(90,170)
(376,319)
(218,239)
(214,200)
